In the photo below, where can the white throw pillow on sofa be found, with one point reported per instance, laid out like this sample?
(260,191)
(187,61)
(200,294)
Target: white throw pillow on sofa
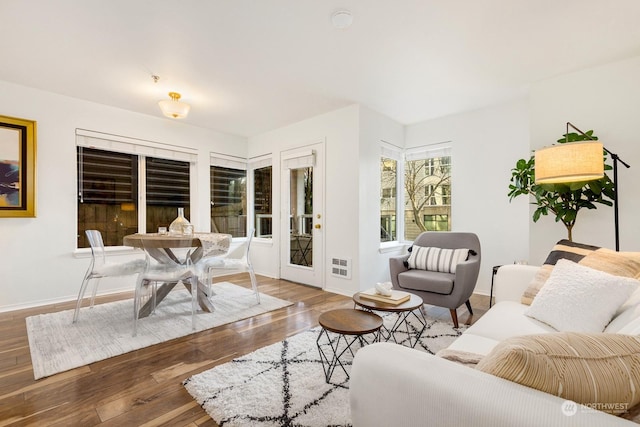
(576,298)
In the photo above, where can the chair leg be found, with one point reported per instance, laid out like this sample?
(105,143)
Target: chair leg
(454,317)
(194,300)
(209,282)
(154,288)
(136,304)
(95,291)
(254,283)
(83,288)
(468,303)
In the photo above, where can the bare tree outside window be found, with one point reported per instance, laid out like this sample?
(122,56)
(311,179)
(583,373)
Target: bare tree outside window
(427,185)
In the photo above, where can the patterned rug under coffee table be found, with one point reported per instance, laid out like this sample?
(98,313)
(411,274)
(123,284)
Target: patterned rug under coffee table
(284,383)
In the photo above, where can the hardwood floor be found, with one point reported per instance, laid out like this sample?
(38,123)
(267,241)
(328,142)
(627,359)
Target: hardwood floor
(143,387)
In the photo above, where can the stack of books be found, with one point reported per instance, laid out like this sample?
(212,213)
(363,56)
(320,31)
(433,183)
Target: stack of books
(396,298)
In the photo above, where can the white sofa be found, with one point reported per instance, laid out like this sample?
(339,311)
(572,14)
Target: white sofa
(395,385)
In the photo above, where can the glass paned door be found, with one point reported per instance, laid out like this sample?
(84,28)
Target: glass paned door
(302,238)
(301,215)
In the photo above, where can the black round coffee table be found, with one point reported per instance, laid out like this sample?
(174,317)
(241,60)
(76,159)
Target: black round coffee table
(349,326)
(403,311)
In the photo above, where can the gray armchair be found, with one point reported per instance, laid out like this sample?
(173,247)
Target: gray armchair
(436,288)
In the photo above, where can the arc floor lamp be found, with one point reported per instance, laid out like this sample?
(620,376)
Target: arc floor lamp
(577,161)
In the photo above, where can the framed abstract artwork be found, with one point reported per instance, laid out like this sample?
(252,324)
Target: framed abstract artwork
(17,167)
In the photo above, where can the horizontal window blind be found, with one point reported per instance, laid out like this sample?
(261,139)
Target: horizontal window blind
(106,177)
(260,162)
(262,178)
(390,151)
(123,144)
(167,182)
(227,185)
(229,162)
(302,159)
(427,151)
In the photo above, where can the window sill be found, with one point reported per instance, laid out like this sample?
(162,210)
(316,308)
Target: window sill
(111,250)
(388,247)
(261,241)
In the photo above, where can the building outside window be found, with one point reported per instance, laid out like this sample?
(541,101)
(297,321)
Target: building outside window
(109,186)
(445,194)
(387,228)
(388,202)
(444,165)
(436,222)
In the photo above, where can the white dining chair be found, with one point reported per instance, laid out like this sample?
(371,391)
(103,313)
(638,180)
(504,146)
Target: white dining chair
(168,271)
(99,268)
(236,261)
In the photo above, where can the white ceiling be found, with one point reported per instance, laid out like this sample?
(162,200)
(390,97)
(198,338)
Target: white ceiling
(248,66)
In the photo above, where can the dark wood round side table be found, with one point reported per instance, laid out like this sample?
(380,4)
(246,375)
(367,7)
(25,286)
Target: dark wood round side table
(350,326)
(403,311)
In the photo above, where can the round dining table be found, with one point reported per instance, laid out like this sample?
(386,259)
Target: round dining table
(161,247)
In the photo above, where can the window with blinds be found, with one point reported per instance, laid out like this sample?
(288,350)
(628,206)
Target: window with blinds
(167,183)
(262,178)
(107,194)
(167,189)
(109,187)
(228,201)
(106,177)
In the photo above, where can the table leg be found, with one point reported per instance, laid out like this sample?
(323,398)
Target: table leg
(332,360)
(203,296)
(162,291)
(401,320)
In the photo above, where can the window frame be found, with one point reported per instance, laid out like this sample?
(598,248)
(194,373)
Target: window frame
(392,152)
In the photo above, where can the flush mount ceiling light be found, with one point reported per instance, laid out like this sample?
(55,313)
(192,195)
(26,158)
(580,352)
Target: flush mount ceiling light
(342,19)
(173,107)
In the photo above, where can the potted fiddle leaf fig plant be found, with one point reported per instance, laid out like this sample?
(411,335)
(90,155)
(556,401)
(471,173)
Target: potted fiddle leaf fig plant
(562,200)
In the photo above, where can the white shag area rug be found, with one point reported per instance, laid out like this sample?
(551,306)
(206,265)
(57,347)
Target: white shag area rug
(105,330)
(284,384)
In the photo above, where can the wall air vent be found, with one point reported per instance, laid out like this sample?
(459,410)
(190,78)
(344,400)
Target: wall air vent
(341,267)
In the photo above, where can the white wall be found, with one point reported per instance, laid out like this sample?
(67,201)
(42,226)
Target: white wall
(37,264)
(374,128)
(485,146)
(607,100)
(339,131)
(352,195)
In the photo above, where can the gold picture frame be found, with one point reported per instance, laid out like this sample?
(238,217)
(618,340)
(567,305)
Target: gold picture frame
(17,168)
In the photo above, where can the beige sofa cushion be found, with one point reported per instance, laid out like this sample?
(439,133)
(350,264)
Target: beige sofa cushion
(601,371)
(624,264)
